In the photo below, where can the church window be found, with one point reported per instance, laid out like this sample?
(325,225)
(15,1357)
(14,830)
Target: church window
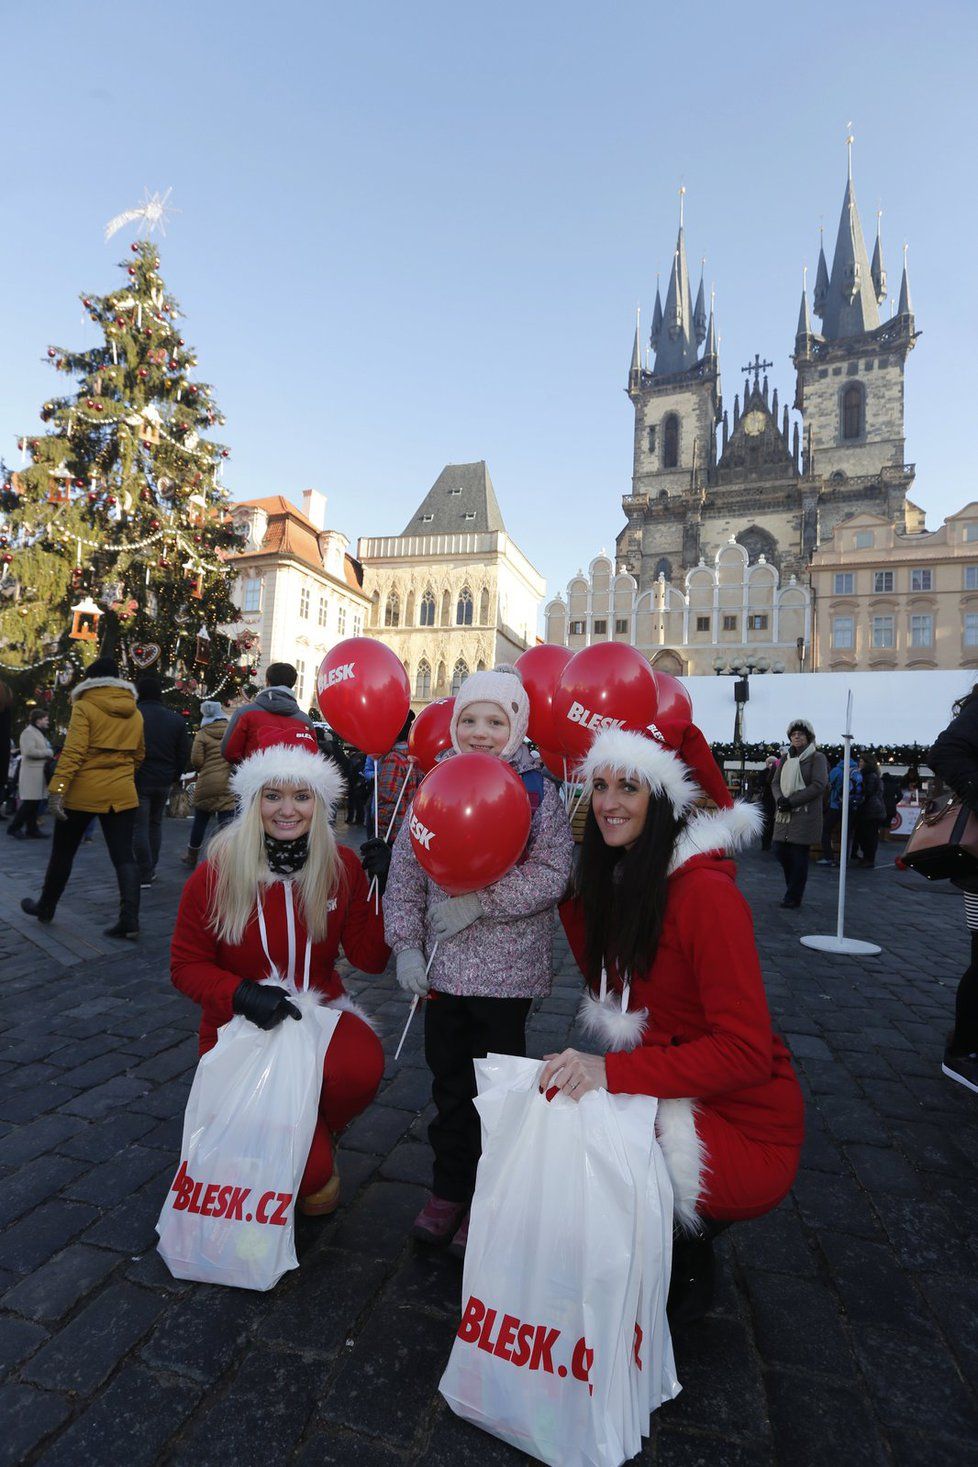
(729,623)
(652,436)
(446,609)
(375,609)
(971,578)
(409,610)
(484,608)
(459,673)
(844,583)
(921,579)
(758,542)
(664,568)
(702,623)
(757,623)
(577,629)
(971,532)
(882,582)
(852,412)
(864,540)
(422,682)
(843,632)
(621,626)
(427,617)
(600,627)
(921,631)
(392,611)
(670,442)
(971,629)
(463,610)
(440,683)
(883,631)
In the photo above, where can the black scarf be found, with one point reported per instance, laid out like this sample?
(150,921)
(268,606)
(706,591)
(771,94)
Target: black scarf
(286,857)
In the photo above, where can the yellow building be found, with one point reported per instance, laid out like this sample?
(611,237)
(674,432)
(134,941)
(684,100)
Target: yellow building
(453,593)
(885,599)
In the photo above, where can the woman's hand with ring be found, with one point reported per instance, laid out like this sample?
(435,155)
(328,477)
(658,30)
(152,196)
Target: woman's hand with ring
(574,1073)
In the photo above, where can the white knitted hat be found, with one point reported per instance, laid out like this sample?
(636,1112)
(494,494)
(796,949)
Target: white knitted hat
(504,687)
(286,764)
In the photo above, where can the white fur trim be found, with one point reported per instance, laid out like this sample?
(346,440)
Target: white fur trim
(101,682)
(633,755)
(291,766)
(685,1157)
(348,1006)
(723,831)
(605,1022)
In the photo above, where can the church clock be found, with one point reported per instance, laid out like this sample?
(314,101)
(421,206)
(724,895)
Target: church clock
(754,423)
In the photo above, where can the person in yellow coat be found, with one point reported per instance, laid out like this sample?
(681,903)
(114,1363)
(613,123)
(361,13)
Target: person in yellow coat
(95,775)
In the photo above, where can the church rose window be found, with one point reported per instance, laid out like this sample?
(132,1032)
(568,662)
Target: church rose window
(852,412)
(670,442)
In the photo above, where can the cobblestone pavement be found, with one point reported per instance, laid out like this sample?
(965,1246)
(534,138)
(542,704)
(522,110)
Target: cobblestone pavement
(845,1328)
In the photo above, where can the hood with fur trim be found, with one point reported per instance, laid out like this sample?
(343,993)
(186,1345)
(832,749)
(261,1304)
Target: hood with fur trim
(119,707)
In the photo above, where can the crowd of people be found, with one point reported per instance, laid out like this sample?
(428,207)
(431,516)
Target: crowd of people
(675,1003)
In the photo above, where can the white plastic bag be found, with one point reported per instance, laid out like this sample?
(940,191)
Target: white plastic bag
(563,1320)
(229,1215)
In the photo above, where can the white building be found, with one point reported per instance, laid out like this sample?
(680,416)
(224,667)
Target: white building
(299,591)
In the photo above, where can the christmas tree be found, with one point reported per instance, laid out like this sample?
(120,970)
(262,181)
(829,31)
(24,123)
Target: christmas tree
(115,529)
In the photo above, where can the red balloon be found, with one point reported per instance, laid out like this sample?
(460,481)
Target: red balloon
(364,694)
(430,733)
(540,668)
(558,764)
(674,709)
(469,822)
(609,685)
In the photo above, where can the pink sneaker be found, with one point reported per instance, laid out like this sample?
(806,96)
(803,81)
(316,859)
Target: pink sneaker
(437,1221)
(457,1246)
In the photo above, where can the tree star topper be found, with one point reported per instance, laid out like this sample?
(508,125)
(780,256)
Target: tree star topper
(152,212)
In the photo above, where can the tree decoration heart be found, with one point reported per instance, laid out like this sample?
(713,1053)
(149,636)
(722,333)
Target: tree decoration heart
(144,654)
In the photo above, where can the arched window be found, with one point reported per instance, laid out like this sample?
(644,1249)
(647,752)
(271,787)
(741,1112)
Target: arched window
(427,617)
(664,568)
(852,411)
(446,609)
(481,667)
(409,610)
(484,607)
(422,683)
(670,442)
(459,673)
(375,609)
(463,610)
(392,611)
(441,680)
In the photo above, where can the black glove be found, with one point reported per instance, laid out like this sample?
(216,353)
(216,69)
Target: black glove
(375,857)
(264,1004)
(784,804)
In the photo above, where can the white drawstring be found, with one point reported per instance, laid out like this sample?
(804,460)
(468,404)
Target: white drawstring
(626,989)
(290,923)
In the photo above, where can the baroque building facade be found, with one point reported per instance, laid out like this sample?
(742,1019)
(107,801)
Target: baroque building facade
(453,593)
(772,478)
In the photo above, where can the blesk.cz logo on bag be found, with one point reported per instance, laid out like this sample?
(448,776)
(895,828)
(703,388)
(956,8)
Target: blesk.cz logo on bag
(527,1345)
(577,713)
(212,1199)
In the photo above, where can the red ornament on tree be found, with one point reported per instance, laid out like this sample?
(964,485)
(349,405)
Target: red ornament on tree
(143,372)
(154,524)
(52,352)
(132,269)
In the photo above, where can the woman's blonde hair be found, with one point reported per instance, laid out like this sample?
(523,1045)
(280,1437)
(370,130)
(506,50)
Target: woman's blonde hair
(237,855)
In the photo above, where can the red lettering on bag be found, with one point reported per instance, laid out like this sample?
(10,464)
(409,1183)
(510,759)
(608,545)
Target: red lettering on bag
(581,1362)
(210,1197)
(542,1346)
(637,1345)
(506,1336)
(223,1197)
(182,1186)
(194,1203)
(234,1210)
(521,1354)
(264,1202)
(485,1338)
(280,1216)
(217,1200)
(468,1329)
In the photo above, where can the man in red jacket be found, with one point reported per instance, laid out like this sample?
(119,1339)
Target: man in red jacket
(273,718)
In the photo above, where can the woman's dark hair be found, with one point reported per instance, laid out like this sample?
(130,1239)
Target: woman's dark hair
(36,714)
(623,893)
(963,702)
(868,761)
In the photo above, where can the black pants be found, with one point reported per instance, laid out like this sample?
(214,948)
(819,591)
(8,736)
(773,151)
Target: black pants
(148,832)
(26,816)
(868,835)
(964,1040)
(794,864)
(117,827)
(456,1032)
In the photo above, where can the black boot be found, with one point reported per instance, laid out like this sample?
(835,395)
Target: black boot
(694,1272)
(38,909)
(128,923)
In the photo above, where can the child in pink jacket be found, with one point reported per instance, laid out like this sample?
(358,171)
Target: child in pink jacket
(495,947)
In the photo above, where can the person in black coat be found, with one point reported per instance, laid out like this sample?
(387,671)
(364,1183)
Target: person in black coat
(6,731)
(955,758)
(167,755)
(871,810)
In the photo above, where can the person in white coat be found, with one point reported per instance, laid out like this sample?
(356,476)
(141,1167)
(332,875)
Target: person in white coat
(35,751)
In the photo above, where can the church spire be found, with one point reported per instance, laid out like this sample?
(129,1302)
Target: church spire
(876,269)
(635,370)
(821,278)
(656,331)
(804,333)
(905,307)
(711,349)
(699,311)
(850,303)
(676,348)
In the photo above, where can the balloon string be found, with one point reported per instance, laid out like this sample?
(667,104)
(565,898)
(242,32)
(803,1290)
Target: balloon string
(376,830)
(414,1007)
(374,884)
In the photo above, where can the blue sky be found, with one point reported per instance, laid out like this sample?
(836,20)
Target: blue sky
(413,235)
